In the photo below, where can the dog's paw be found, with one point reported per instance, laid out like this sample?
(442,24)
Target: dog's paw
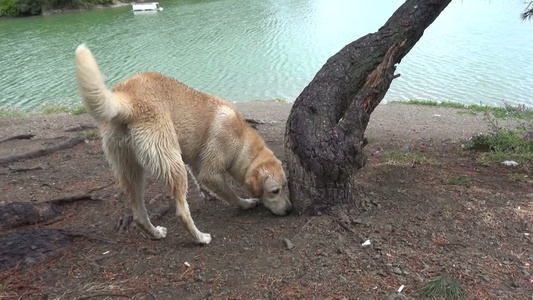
(249,203)
(204,239)
(160,232)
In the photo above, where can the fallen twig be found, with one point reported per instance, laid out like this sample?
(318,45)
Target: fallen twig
(160,211)
(343,225)
(18,137)
(254,122)
(101,295)
(74,233)
(19,170)
(100,188)
(80,127)
(42,152)
(52,221)
(306,223)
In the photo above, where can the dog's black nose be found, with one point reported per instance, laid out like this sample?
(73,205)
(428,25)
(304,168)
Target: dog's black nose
(288,210)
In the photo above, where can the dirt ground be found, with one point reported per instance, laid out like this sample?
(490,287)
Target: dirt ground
(449,214)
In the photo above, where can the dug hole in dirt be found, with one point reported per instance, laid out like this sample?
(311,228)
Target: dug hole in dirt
(444,214)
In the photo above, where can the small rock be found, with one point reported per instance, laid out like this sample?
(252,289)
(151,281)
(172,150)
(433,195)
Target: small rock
(397,271)
(357,221)
(515,284)
(396,296)
(288,244)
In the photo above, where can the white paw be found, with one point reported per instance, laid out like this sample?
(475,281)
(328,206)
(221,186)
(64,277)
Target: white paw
(249,203)
(204,238)
(160,232)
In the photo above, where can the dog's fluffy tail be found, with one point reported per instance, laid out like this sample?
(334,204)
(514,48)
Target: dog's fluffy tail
(99,101)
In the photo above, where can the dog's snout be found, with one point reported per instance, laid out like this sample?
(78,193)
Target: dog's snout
(288,210)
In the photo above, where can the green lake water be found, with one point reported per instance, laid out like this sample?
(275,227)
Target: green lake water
(476,51)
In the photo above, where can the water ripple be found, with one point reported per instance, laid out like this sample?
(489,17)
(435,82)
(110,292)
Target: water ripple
(246,50)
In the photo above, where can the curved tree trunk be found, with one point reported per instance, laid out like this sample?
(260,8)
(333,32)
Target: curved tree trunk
(324,135)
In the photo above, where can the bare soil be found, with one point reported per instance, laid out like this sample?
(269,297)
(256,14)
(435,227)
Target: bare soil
(423,219)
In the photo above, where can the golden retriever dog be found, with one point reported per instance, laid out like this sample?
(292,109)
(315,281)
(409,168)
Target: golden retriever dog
(150,122)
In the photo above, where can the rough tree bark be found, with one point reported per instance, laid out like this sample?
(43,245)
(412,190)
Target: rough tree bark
(324,135)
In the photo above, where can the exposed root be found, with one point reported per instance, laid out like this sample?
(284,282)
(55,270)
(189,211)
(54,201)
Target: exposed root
(18,137)
(42,152)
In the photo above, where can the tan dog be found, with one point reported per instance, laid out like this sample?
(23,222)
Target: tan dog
(155,123)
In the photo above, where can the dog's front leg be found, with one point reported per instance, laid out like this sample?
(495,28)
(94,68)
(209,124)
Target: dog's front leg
(217,184)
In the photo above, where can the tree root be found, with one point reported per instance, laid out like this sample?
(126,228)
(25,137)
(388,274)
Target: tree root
(80,127)
(71,199)
(42,152)
(18,137)
(38,245)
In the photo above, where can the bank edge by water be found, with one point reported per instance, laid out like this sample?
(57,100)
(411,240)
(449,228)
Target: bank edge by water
(506,111)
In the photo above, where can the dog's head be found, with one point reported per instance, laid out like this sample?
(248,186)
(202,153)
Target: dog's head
(267,181)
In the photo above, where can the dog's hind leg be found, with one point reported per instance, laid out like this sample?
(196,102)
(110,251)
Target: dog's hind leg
(133,182)
(159,151)
(130,175)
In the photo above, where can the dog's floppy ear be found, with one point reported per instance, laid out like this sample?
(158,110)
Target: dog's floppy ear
(255,183)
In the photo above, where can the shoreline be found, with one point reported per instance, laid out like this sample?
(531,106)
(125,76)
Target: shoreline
(391,121)
(54,12)
(508,111)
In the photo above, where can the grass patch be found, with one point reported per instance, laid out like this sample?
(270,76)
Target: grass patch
(503,144)
(59,108)
(11,112)
(458,180)
(442,287)
(281,100)
(89,134)
(405,159)
(519,177)
(14,112)
(507,111)
(432,103)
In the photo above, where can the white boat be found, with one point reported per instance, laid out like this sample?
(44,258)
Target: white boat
(146,6)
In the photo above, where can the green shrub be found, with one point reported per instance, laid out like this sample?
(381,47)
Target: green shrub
(29,7)
(443,287)
(503,144)
(8,8)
